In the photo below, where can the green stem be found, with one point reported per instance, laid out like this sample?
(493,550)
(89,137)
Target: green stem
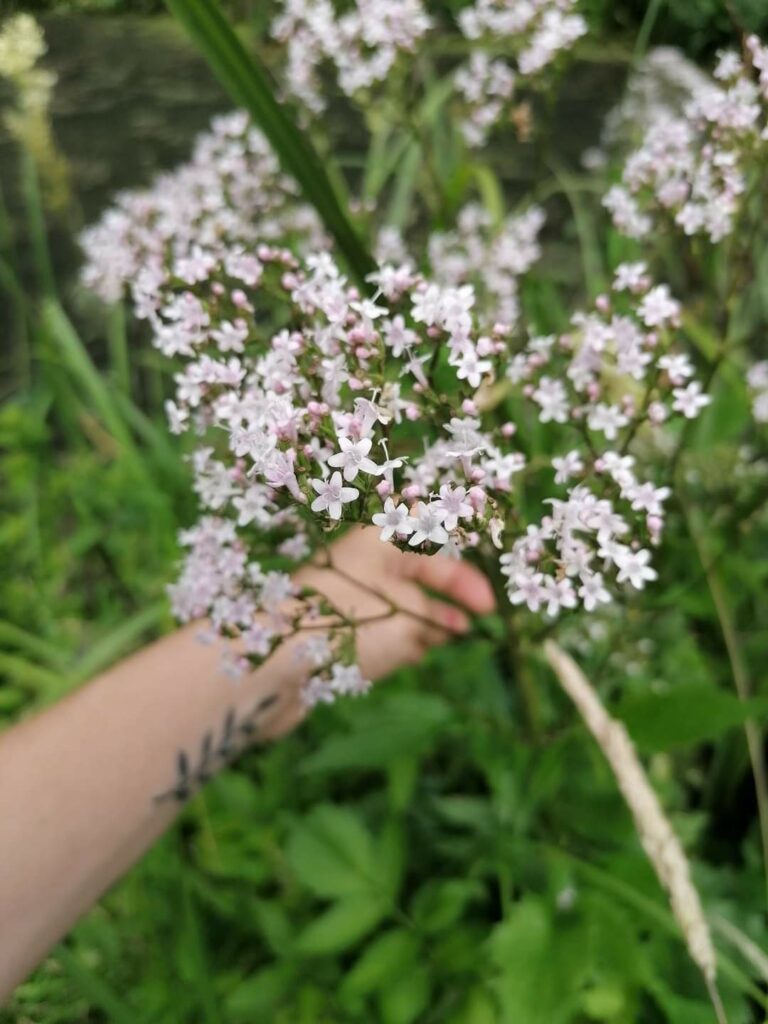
(38,234)
(117,341)
(740,676)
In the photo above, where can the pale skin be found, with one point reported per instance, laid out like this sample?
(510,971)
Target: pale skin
(88,785)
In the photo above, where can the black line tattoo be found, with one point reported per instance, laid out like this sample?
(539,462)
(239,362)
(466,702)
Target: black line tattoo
(215,753)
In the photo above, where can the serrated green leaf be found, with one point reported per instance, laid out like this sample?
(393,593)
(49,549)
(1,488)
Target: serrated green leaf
(404,1002)
(685,715)
(387,956)
(541,964)
(342,925)
(403,724)
(258,994)
(332,853)
(440,903)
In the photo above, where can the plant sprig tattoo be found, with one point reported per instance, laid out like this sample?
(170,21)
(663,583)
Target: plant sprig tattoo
(215,752)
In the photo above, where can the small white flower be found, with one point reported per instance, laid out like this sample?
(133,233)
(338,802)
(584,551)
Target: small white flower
(634,568)
(608,419)
(353,458)
(567,466)
(315,649)
(527,588)
(592,591)
(552,399)
(332,495)
(454,504)
(348,680)
(658,308)
(394,520)
(428,525)
(317,690)
(690,400)
(558,594)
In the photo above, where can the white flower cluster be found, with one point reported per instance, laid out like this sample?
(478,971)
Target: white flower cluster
(692,167)
(364,41)
(491,259)
(757,380)
(228,197)
(536,32)
(616,370)
(315,404)
(362,44)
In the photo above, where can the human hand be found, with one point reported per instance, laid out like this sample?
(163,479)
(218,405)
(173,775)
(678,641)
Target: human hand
(381,588)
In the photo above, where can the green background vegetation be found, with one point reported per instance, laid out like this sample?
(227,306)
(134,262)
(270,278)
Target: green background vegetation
(435,853)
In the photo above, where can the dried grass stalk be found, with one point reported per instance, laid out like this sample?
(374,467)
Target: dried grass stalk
(656,834)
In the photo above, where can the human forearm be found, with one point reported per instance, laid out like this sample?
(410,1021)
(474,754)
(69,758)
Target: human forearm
(88,785)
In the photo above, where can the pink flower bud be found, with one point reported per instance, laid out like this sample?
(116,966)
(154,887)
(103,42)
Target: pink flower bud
(655,525)
(468,407)
(411,492)
(508,429)
(383,488)
(477,499)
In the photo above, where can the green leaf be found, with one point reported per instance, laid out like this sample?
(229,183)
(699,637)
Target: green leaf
(542,964)
(490,190)
(405,1001)
(685,715)
(259,994)
(94,988)
(470,812)
(249,84)
(387,956)
(440,903)
(66,342)
(332,853)
(404,723)
(342,925)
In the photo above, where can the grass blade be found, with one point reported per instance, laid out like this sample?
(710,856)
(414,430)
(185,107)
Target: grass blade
(249,84)
(67,343)
(95,989)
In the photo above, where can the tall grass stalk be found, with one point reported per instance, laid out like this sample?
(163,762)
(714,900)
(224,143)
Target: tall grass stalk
(656,833)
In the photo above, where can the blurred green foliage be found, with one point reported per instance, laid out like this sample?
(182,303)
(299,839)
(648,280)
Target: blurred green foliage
(698,26)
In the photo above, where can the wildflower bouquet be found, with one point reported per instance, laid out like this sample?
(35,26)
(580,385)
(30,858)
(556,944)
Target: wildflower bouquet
(421,395)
